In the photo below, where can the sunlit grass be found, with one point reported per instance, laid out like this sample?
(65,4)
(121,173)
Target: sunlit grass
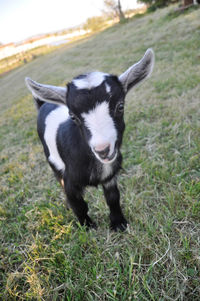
(44,253)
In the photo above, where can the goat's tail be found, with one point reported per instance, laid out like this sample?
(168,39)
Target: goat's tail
(38,103)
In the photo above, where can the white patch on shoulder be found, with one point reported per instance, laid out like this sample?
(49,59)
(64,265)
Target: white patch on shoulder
(91,80)
(106,171)
(52,122)
(101,127)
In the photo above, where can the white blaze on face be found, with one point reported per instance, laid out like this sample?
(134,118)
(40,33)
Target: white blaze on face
(101,127)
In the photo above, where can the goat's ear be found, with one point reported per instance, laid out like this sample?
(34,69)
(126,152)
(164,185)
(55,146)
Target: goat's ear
(47,93)
(138,72)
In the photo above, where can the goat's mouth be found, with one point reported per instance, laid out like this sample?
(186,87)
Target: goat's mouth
(108,159)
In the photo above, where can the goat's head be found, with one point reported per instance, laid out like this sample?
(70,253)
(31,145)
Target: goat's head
(96,104)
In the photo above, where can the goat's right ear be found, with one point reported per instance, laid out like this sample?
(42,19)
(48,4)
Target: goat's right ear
(47,93)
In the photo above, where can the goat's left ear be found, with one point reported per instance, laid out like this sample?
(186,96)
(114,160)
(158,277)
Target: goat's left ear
(47,93)
(138,72)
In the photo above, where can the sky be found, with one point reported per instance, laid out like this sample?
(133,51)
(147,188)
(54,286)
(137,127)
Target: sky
(21,19)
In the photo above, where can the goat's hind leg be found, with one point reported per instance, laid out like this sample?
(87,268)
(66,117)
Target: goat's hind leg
(77,204)
(58,174)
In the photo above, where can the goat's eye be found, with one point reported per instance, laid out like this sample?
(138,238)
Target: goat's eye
(74,118)
(120,108)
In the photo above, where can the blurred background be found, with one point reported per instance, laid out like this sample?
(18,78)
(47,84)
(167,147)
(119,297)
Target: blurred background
(29,24)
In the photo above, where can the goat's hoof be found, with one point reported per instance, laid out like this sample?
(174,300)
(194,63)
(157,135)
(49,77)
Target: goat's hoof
(119,225)
(89,223)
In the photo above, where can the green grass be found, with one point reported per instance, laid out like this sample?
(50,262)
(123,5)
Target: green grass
(44,253)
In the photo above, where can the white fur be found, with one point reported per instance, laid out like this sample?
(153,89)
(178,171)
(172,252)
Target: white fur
(92,80)
(108,88)
(52,122)
(106,171)
(102,128)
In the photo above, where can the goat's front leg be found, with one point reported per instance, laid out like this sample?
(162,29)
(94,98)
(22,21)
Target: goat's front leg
(77,203)
(112,195)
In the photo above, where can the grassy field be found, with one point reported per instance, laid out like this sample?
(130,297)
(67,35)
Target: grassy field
(44,253)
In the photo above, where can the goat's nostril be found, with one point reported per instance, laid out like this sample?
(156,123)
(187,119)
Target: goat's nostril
(103,152)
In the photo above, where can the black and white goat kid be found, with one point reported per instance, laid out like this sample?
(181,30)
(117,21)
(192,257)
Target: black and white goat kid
(81,128)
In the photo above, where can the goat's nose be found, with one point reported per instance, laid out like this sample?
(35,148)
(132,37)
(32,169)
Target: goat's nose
(102,150)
